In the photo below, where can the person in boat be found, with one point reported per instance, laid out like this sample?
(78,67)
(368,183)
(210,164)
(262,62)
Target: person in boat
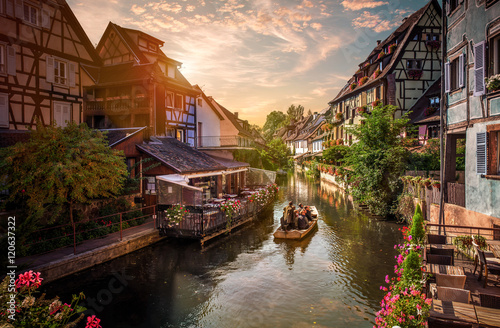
(288,214)
(308,213)
(296,219)
(303,223)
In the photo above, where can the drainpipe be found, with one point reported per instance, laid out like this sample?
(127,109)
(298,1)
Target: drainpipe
(441,117)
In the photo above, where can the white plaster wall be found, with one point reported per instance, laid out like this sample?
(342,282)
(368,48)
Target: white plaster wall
(210,124)
(481,195)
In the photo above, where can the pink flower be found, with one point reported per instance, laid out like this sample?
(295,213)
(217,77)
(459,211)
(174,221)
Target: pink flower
(93,322)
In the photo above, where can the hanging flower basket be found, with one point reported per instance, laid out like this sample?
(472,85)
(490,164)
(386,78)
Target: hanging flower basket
(377,73)
(353,86)
(339,116)
(433,44)
(415,74)
(363,80)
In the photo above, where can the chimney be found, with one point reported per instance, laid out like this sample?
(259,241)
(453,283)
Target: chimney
(236,114)
(378,42)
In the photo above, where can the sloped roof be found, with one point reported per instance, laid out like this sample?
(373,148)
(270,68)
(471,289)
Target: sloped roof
(417,111)
(229,163)
(406,28)
(116,136)
(234,120)
(179,156)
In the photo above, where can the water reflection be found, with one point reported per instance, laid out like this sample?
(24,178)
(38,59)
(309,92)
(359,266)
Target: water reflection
(247,279)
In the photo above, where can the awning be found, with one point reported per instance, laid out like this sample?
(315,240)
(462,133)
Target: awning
(236,171)
(201,175)
(178,180)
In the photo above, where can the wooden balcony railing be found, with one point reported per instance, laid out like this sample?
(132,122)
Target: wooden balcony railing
(116,105)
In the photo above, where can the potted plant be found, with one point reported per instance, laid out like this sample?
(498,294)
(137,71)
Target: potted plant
(376,103)
(436,184)
(339,116)
(353,86)
(377,73)
(363,80)
(493,83)
(430,110)
(426,182)
(381,54)
(362,109)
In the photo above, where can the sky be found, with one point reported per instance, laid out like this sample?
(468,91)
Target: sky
(258,56)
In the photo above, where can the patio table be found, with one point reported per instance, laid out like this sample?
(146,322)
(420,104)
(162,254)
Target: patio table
(445,269)
(495,249)
(489,317)
(453,311)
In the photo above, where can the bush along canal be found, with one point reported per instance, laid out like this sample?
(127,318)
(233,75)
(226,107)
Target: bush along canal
(332,278)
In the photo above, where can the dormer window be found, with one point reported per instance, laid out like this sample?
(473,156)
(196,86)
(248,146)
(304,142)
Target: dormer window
(414,64)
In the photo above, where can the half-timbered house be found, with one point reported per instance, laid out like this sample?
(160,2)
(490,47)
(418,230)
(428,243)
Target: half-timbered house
(138,85)
(397,72)
(472,112)
(42,50)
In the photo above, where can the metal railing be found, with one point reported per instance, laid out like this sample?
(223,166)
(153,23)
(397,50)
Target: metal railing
(224,141)
(456,230)
(56,237)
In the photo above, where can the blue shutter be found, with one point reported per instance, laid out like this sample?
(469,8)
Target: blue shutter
(481,153)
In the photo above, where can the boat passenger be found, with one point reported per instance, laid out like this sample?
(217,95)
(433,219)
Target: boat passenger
(302,221)
(308,213)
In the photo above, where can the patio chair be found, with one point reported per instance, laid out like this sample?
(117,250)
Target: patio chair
(439,259)
(489,257)
(450,280)
(440,323)
(436,239)
(486,267)
(443,251)
(490,301)
(452,294)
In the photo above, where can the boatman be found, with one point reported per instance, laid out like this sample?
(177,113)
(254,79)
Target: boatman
(288,214)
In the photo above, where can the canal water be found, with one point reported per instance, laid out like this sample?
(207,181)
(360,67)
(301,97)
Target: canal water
(247,279)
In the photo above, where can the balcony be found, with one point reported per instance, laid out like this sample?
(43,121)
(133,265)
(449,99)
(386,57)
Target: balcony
(116,106)
(224,142)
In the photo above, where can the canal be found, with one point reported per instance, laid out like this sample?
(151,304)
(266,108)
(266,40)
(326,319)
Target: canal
(247,279)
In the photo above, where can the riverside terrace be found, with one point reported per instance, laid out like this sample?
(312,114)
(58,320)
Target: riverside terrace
(182,214)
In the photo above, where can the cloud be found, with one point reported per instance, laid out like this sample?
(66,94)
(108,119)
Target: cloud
(375,22)
(362,4)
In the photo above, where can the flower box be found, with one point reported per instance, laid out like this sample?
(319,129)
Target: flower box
(377,73)
(430,110)
(415,74)
(376,103)
(353,86)
(433,44)
(392,48)
(362,110)
(381,54)
(339,116)
(363,80)
(493,83)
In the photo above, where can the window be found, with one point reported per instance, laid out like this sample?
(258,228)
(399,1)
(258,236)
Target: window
(432,37)
(7,59)
(200,102)
(169,99)
(414,64)
(454,73)
(494,45)
(416,37)
(179,101)
(179,135)
(4,110)
(30,14)
(60,72)
(434,101)
(151,186)
(62,113)
(451,5)
(171,71)
(488,146)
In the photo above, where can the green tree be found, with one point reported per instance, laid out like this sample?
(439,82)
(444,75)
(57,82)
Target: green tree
(336,154)
(276,153)
(58,168)
(377,159)
(274,121)
(294,112)
(417,230)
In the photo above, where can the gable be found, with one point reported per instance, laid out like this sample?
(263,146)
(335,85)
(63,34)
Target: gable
(113,49)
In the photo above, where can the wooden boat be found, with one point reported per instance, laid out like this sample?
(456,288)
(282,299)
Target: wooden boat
(298,234)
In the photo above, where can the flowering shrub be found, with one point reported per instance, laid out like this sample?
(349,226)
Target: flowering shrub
(175,215)
(377,73)
(353,86)
(363,80)
(30,311)
(405,304)
(264,195)
(493,83)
